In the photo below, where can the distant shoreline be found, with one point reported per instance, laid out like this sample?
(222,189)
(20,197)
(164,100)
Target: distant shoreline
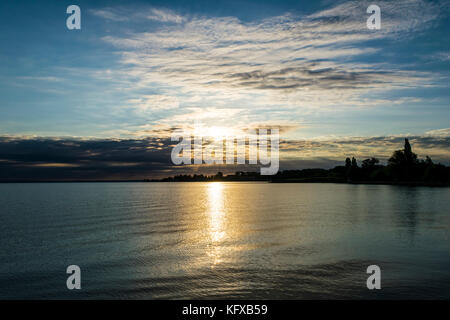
(397,183)
(67,181)
(394,183)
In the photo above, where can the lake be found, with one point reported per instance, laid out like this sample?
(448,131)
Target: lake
(223,240)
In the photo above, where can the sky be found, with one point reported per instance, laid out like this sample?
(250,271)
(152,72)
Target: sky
(111,93)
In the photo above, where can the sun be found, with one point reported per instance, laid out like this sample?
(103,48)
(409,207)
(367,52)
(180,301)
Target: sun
(215,132)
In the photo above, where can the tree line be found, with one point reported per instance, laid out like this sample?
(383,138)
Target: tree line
(403,167)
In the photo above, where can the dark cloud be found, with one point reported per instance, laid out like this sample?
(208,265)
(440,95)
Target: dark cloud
(310,76)
(324,153)
(42,159)
(71,159)
(136,159)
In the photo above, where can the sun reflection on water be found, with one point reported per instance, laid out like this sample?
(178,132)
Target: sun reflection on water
(216,223)
(215,199)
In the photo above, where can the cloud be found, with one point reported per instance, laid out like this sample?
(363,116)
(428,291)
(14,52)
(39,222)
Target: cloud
(399,18)
(35,158)
(287,71)
(444,133)
(381,147)
(110,14)
(164,16)
(120,14)
(154,102)
(287,61)
(35,78)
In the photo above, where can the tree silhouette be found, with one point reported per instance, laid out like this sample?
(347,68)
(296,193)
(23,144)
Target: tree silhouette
(403,158)
(348,168)
(351,169)
(403,163)
(368,163)
(411,157)
(348,163)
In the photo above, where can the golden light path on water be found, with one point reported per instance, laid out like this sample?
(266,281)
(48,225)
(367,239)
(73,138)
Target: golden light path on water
(217,231)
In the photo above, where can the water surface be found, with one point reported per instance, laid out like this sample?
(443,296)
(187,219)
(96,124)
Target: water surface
(223,240)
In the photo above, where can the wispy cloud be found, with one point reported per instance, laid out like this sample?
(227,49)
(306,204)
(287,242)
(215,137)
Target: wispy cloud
(123,14)
(153,102)
(444,133)
(286,61)
(165,16)
(110,14)
(380,147)
(166,68)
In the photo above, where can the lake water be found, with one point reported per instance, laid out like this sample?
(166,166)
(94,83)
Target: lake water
(223,240)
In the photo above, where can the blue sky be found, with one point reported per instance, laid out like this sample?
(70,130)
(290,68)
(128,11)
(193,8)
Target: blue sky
(138,69)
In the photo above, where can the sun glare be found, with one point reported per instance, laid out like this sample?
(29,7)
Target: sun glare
(215,132)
